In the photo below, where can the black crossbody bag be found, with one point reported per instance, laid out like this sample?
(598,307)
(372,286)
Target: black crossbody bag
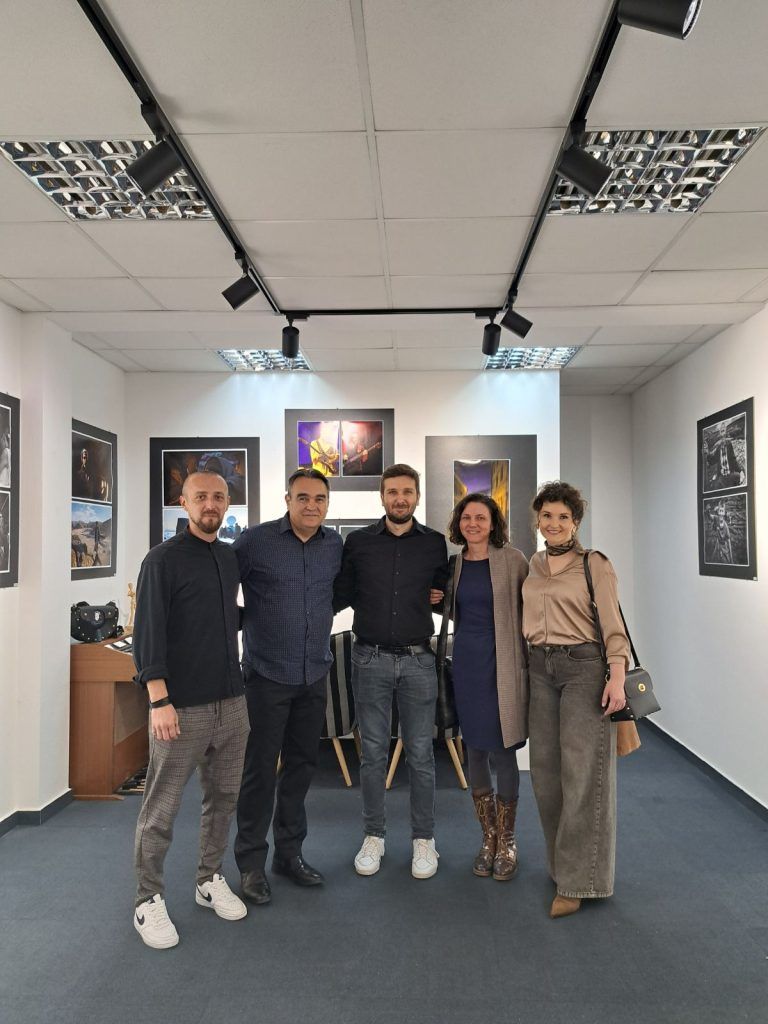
(445,711)
(638,686)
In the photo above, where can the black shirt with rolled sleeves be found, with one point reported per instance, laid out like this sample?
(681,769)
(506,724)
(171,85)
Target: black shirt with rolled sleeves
(187,620)
(387,579)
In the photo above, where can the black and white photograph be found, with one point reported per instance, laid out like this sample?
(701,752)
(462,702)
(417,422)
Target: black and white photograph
(347,526)
(91,467)
(92,540)
(173,459)
(5,531)
(5,446)
(9,491)
(94,502)
(726,495)
(349,446)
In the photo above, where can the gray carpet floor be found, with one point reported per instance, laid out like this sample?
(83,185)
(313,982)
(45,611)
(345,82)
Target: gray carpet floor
(685,938)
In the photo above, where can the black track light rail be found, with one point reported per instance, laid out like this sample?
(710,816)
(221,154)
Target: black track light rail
(476,311)
(158,122)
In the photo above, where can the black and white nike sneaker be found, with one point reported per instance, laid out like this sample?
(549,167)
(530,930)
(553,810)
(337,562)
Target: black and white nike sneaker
(217,895)
(151,921)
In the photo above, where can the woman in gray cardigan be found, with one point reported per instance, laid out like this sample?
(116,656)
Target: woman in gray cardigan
(490,676)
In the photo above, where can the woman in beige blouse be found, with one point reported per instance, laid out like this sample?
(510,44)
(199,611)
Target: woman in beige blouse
(573,693)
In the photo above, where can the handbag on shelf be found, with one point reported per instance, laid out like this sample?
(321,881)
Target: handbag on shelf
(92,623)
(445,710)
(638,686)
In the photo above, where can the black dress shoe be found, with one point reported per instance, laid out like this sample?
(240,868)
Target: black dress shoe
(255,887)
(297,869)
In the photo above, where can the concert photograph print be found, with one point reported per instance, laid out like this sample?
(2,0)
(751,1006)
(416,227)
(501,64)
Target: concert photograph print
(94,502)
(350,447)
(726,498)
(9,491)
(232,465)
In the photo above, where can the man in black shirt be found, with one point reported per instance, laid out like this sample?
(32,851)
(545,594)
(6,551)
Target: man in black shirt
(186,653)
(391,574)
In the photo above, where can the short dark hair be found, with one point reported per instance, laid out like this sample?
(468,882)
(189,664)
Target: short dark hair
(499,533)
(309,474)
(558,490)
(400,469)
(203,472)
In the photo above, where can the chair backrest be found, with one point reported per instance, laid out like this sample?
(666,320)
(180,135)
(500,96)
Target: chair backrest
(340,703)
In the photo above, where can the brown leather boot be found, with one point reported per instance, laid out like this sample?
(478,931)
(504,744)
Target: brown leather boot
(485,806)
(505,861)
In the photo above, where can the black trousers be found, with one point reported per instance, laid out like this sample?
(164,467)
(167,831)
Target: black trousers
(286,721)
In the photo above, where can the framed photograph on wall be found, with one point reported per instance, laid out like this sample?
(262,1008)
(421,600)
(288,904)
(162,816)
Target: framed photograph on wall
(9,491)
(502,466)
(726,495)
(349,446)
(93,506)
(173,459)
(347,526)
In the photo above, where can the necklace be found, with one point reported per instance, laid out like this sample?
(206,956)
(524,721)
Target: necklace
(560,549)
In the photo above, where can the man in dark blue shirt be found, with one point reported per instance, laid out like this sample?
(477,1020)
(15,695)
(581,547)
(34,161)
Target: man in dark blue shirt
(287,568)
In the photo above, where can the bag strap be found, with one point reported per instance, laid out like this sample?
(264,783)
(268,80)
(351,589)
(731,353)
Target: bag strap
(442,640)
(591,588)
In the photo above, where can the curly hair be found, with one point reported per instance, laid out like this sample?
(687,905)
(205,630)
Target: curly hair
(499,533)
(558,490)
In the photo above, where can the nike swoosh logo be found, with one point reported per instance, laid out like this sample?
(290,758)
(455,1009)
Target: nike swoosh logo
(140,919)
(206,896)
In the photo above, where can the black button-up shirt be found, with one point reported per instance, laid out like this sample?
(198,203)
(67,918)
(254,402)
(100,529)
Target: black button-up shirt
(288,593)
(187,620)
(387,579)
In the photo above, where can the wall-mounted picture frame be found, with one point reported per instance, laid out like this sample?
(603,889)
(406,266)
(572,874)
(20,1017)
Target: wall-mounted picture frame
(351,447)
(502,466)
(93,505)
(347,526)
(726,496)
(172,459)
(9,490)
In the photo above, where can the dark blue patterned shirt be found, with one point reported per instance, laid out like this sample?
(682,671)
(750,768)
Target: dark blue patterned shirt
(288,593)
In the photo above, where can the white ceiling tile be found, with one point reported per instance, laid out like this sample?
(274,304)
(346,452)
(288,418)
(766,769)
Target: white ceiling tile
(121,359)
(320,340)
(743,188)
(330,248)
(428,338)
(705,334)
(618,355)
(412,292)
(288,176)
(488,64)
(759,294)
(636,316)
(645,334)
(146,340)
(465,174)
(168,248)
(279,65)
(574,289)
(340,359)
(663,286)
(177,360)
(621,241)
(68,294)
(605,377)
(50,250)
(57,80)
(328,292)
(648,374)
(199,293)
(92,341)
(676,353)
(20,200)
(440,359)
(18,298)
(460,246)
(721,241)
(718,76)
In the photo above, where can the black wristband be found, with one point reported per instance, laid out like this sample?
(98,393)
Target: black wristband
(162,703)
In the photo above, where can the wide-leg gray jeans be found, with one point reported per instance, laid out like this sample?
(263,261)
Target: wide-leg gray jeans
(573,767)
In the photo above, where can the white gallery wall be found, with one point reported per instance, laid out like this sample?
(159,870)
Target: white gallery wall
(704,635)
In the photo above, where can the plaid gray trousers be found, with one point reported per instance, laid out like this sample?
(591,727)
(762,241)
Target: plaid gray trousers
(213,738)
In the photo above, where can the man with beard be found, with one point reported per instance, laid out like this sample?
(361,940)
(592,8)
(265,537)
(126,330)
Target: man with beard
(186,653)
(391,574)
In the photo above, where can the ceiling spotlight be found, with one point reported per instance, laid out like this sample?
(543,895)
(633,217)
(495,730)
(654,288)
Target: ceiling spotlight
(154,167)
(491,338)
(242,290)
(669,17)
(583,170)
(512,321)
(290,341)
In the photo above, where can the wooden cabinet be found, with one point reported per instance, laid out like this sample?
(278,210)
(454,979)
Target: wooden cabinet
(108,716)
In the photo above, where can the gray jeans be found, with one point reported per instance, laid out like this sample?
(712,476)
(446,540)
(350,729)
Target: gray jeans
(573,767)
(213,738)
(376,676)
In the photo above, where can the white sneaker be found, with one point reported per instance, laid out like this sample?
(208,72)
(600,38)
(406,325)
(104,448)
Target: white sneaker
(424,863)
(368,859)
(151,921)
(217,895)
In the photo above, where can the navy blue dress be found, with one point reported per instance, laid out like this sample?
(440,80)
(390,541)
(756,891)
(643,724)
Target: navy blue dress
(474,659)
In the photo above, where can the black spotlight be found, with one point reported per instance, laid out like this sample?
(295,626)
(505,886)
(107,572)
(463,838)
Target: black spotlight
(674,18)
(242,290)
(516,323)
(491,335)
(154,167)
(290,341)
(584,170)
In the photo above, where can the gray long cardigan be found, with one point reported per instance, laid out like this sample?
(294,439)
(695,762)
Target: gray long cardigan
(509,567)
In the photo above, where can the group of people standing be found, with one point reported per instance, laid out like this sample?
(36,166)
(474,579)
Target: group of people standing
(527,665)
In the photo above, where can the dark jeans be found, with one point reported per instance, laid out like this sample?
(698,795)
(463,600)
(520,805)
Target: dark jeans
(286,722)
(376,676)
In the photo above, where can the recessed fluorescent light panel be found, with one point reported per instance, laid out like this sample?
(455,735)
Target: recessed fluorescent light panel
(88,181)
(531,358)
(656,172)
(260,359)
